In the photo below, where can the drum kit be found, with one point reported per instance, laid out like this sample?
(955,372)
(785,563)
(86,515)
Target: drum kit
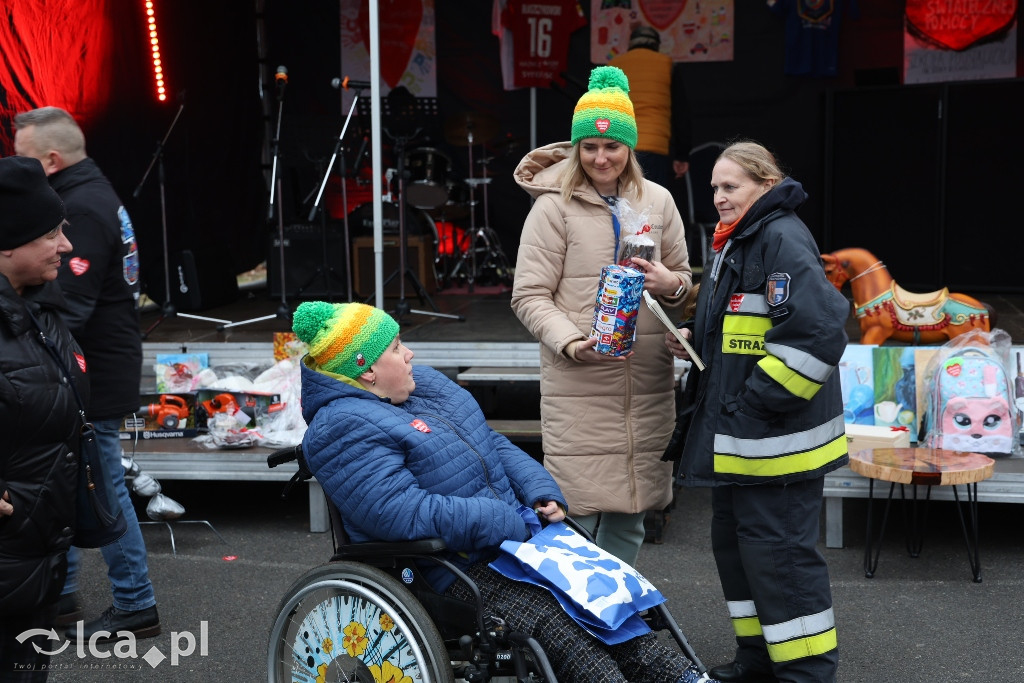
(437,202)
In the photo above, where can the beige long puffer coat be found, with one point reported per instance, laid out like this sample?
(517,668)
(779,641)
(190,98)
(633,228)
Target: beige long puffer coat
(605,426)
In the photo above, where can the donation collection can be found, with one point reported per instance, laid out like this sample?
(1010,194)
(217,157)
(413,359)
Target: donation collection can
(616,309)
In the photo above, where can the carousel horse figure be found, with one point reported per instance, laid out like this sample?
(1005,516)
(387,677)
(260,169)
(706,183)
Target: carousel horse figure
(885,310)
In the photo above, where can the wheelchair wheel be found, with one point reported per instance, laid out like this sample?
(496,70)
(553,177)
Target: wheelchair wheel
(347,621)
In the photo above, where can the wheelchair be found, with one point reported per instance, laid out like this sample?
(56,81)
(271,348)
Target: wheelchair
(368,616)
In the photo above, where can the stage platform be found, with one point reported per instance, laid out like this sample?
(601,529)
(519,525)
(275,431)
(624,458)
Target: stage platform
(487,315)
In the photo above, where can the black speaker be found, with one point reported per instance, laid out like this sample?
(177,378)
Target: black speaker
(200,279)
(309,271)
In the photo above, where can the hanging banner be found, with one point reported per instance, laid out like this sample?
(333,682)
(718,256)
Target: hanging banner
(690,30)
(958,40)
(408,53)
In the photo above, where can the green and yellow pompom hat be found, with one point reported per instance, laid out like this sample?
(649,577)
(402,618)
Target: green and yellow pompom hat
(344,339)
(605,110)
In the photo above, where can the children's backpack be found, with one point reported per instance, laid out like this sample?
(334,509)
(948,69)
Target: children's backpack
(969,406)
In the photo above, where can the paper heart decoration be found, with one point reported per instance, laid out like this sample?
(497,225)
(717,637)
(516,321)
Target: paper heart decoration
(602,125)
(400,22)
(958,30)
(662,13)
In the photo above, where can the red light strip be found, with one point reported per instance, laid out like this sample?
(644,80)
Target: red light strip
(154,42)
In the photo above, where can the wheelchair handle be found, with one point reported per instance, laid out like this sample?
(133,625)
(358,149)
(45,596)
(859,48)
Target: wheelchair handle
(288,455)
(282,456)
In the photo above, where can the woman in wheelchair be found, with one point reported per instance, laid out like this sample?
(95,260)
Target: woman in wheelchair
(405,453)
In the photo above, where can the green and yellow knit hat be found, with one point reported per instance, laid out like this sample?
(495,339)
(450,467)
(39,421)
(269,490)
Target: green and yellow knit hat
(345,339)
(605,110)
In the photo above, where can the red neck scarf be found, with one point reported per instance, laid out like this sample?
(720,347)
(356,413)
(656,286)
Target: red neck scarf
(724,231)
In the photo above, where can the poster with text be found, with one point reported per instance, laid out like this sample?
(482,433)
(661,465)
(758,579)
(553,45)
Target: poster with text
(959,40)
(408,52)
(691,30)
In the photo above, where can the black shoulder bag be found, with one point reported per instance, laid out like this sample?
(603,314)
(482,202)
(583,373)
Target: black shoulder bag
(100,520)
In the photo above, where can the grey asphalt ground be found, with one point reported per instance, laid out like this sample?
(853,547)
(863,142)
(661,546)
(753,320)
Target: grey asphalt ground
(919,619)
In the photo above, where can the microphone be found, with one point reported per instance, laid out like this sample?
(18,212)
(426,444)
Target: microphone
(281,78)
(347,83)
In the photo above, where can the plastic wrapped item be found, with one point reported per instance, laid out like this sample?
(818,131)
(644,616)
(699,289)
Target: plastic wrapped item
(162,508)
(634,234)
(145,485)
(131,468)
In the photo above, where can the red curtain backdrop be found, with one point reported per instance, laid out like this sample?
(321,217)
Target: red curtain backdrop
(55,53)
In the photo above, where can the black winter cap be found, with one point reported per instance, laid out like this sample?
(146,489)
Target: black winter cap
(29,207)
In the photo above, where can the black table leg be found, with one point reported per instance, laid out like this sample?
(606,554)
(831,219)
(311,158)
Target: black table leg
(970,527)
(871,559)
(916,529)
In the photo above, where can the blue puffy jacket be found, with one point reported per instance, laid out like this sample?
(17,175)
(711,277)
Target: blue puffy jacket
(430,467)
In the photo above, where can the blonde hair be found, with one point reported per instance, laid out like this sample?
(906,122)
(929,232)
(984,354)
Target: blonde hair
(755,160)
(574,175)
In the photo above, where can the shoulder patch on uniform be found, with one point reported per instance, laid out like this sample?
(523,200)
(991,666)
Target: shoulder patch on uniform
(777,290)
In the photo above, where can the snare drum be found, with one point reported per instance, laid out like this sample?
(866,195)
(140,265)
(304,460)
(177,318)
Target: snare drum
(428,169)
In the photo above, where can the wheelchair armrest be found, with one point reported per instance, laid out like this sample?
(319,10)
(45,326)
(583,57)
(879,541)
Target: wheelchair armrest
(575,526)
(425,546)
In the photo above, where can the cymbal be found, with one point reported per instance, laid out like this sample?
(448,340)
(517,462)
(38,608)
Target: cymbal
(509,143)
(458,127)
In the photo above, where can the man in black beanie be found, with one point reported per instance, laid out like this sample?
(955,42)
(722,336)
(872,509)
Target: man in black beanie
(100,281)
(38,419)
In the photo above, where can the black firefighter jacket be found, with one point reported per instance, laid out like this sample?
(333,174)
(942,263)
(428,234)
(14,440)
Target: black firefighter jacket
(770,327)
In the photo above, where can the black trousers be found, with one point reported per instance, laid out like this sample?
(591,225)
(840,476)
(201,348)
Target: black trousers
(774,578)
(19,662)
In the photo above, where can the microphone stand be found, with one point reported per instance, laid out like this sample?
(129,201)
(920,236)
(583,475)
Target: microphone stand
(326,270)
(283,311)
(402,306)
(167,310)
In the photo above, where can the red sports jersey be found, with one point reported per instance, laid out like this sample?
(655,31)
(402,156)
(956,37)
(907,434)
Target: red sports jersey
(540,32)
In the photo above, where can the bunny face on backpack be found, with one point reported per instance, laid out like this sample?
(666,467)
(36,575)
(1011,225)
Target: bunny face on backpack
(969,409)
(977,424)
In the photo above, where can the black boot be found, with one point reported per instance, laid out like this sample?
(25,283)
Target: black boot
(69,610)
(736,672)
(144,623)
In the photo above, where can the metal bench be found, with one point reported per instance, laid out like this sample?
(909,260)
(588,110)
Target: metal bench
(183,459)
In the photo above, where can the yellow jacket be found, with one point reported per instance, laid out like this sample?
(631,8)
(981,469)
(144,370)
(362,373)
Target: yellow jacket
(650,89)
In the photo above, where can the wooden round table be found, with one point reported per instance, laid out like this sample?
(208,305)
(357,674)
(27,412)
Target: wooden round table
(923,467)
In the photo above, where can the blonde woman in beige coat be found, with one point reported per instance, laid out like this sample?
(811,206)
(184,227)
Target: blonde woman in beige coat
(606,420)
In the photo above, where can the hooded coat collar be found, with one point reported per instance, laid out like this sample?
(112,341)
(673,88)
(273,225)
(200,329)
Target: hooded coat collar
(540,172)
